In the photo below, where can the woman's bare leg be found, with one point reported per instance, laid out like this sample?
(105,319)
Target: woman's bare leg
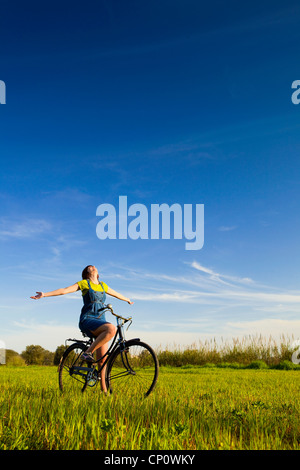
(103,334)
(100,353)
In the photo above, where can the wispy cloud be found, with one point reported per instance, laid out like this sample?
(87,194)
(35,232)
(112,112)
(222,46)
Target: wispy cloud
(226,228)
(192,151)
(200,303)
(250,24)
(48,335)
(201,285)
(221,277)
(28,228)
(274,327)
(68,195)
(246,292)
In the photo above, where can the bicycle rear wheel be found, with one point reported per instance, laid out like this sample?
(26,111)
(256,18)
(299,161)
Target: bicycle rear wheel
(73,370)
(133,370)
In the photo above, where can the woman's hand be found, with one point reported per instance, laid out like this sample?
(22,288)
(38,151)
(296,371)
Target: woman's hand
(130,303)
(66,290)
(38,296)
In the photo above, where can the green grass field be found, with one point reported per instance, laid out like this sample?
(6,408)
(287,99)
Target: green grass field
(190,409)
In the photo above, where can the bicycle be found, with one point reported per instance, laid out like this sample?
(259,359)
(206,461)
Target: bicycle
(131,365)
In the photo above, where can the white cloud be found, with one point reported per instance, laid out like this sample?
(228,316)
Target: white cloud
(274,327)
(48,335)
(68,195)
(23,229)
(217,276)
(227,229)
(209,287)
(166,297)
(172,309)
(249,291)
(51,335)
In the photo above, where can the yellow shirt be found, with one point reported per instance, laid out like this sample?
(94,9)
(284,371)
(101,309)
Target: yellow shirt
(84,287)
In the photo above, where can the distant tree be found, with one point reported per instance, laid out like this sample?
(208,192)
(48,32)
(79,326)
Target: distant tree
(58,353)
(48,358)
(35,354)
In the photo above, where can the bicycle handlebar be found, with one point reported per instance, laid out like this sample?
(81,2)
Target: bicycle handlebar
(109,307)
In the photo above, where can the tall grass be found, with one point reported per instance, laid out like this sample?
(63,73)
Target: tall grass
(191,409)
(238,351)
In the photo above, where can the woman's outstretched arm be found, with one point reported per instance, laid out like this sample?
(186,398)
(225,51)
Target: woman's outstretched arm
(113,293)
(65,290)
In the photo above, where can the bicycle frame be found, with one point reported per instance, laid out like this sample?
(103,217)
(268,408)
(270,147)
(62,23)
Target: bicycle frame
(123,358)
(115,344)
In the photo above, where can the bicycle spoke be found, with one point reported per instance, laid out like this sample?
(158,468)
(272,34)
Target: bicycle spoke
(73,370)
(133,370)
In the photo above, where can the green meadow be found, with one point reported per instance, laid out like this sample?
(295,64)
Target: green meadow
(191,408)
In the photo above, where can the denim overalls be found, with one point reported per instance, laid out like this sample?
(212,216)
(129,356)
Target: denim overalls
(92,315)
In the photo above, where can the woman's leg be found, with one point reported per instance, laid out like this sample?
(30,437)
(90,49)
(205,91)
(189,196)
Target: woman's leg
(103,334)
(100,353)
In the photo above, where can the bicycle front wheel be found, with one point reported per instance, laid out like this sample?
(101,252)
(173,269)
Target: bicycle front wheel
(72,370)
(132,369)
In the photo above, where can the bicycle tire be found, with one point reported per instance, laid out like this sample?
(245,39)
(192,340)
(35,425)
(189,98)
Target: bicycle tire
(69,378)
(132,369)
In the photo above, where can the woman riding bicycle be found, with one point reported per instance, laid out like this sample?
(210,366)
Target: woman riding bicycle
(92,320)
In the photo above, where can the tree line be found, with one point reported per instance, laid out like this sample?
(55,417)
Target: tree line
(34,355)
(243,351)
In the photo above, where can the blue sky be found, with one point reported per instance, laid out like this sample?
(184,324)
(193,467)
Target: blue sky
(163,102)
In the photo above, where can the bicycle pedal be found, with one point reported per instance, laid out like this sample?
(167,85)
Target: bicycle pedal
(92,382)
(91,378)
